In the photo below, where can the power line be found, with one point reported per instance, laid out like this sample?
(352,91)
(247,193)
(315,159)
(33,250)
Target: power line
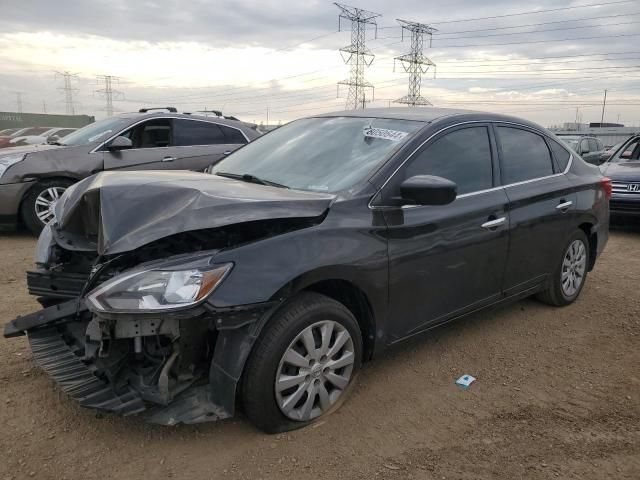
(356,55)
(551,57)
(543,31)
(416,62)
(538,24)
(530,12)
(538,41)
(244,89)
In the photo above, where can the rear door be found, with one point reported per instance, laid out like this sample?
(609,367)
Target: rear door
(444,260)
(199,144)
(540,202)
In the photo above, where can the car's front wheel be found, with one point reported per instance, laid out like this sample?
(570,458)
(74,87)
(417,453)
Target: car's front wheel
(303,364)
(40,201)
(571,273)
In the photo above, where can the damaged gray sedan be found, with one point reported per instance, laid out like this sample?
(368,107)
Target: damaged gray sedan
(178,295)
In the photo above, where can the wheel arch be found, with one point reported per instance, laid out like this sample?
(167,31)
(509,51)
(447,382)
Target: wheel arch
(234,346)
(357,302)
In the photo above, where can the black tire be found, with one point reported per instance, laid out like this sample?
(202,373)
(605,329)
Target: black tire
(259,377)
(554,294)
(28,208)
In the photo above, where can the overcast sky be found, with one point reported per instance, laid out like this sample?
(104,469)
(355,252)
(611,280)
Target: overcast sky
(248,57)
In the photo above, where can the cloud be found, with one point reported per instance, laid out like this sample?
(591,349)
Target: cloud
(481,90)
(247,56)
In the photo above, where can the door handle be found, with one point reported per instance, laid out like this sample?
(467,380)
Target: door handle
(226,152)
(169,159)
(564,206)
(491,224)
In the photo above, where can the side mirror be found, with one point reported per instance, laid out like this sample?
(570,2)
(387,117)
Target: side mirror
(120,143)
(53,139)
(428,190)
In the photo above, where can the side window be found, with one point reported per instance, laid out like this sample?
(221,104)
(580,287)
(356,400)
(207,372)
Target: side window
(150,134)
(233,135)
(593,145)
(525,155)
(584,146)
(462,156)
(628,150)
(193,132)
(561,154)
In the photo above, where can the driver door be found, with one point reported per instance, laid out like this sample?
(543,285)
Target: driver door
(447,259)
(151,148)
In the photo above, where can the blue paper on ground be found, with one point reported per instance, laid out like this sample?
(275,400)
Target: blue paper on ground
(465,381)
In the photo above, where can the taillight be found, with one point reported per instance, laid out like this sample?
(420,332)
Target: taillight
(607,187)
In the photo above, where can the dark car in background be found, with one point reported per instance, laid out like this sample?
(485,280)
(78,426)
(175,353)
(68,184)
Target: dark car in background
(591,149)
(624,170)
(307,252)
(32,178)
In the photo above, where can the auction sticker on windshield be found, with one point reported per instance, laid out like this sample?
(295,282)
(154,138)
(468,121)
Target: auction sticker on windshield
(384,133)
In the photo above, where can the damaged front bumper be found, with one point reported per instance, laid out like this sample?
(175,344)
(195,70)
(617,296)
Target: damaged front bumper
(171,368)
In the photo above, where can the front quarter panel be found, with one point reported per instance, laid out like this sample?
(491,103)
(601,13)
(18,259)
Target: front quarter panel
(348,245)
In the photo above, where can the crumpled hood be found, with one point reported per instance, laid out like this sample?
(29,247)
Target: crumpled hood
(624,171)
(127,210)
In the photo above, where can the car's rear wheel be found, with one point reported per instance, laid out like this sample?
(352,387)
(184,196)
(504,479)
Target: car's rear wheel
(39,203)
(570,275)
(303,364)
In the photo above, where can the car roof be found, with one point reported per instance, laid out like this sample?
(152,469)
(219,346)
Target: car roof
(430,115)
(166,114)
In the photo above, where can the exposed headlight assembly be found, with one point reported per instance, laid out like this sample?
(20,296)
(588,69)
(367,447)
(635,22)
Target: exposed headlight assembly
(158,289)
(7,160)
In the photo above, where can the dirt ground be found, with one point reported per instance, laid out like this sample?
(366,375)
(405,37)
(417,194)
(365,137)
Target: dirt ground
(557,396)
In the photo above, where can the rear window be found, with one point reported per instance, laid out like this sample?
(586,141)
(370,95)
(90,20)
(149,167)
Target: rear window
(194,132)
(233,135)
(525,155)
(560,154)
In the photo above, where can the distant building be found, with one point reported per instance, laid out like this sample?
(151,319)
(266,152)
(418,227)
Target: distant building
(609,133)
(20,120)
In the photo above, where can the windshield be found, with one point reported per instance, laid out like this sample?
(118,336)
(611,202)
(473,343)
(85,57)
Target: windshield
(320,154)
(95,131)
(630,152)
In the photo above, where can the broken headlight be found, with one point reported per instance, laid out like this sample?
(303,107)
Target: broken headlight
(157,289)
(7,160)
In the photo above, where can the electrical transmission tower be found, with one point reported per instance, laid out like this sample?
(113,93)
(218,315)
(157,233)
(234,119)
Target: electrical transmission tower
(109,93)
(415,63)
(357,55)
(69,106)
(19,101)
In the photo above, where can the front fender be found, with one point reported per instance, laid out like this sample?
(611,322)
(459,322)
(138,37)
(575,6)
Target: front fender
(268,272)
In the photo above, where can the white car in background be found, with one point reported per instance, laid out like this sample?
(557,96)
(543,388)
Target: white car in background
(41,138)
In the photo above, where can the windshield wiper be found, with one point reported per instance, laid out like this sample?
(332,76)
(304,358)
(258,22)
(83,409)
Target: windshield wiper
(247,177)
